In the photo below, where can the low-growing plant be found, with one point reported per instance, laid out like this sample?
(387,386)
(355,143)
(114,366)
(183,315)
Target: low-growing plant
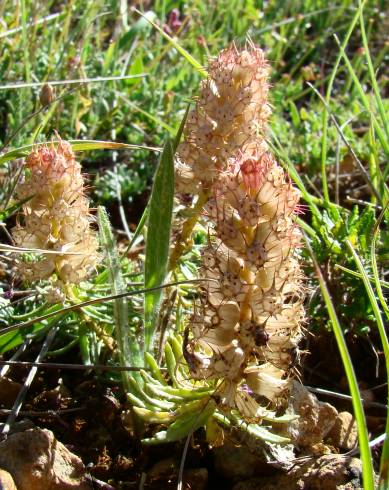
(201,308)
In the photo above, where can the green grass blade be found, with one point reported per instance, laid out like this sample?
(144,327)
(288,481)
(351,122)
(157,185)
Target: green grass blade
(77,145)
(95,301)
(373,302)
(44,20)
(325,113)
(378,282)
(130,349)
(357,161)
(150,116)
(158,238)
(357,274)
(177,138)
(177,46)
(384,468)
(373,78)
(26,44)
(138,230)
(364,98)
(18,85)
(363,436)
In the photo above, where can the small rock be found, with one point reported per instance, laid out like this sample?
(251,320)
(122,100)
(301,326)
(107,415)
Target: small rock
(37,461)
(315,420)
(235,463)
(6,481)
(333,472)
(344,433)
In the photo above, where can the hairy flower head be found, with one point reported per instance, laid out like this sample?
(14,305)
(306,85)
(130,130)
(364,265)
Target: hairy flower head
(230,114)
(248,328)
(55,217)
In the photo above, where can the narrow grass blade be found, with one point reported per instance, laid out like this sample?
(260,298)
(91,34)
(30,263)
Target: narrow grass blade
(95,301)
(384,468)
(77,145)
(130,349)
(378,282)
(177,138)
(158,237)
(18,85)
(326,114)
(364,98)
(178,47)
(373,78)
(359,164)
(384,284)
(138,230)
(150,116)
(10,210)
(43,20)
(363,436)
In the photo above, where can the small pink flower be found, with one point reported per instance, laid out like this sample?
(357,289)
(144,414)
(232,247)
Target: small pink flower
(173,23)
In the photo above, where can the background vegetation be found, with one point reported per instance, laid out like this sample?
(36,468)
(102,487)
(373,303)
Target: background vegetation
(329,128)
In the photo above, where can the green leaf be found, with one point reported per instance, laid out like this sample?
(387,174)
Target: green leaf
(154,368)
(177,138)
(183,426)
(158,238)
(130,349)
(294,114)
(7,213)
(154,417)
(258,431)
(135,69)
(170,363)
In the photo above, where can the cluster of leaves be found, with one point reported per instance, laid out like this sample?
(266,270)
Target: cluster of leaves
(185,405)
(354,308)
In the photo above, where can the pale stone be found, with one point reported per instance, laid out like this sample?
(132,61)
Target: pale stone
(344,433)
(37,461)
(316,418)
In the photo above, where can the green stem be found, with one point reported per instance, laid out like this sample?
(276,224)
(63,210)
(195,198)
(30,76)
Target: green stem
(363,436)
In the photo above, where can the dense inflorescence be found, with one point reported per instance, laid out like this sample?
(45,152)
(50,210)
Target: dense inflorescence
(55,217)
(230,112)
(246,331)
